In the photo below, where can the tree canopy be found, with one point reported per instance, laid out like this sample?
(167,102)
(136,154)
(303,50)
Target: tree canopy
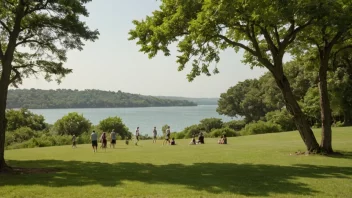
(35,36)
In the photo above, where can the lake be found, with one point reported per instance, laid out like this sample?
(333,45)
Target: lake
(146,118)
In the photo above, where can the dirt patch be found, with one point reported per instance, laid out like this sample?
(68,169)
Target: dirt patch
(17,170)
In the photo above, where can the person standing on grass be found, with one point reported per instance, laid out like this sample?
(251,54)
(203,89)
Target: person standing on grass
(167,135)
(94,138)
(155,132)
(113,138)
(137,136)
(103,140)
(74,141)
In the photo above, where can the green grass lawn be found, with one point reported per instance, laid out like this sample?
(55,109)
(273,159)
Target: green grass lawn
(259,166)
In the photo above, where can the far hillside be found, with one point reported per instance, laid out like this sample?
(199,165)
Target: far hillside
(67,98)
(198,101)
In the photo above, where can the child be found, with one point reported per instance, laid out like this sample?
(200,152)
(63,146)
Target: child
(221,140)
(173,141)
(193,141)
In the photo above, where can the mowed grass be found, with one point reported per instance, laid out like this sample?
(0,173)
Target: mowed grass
(259,166)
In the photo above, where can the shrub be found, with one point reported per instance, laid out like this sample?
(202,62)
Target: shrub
(192,130)
(179,135)
(22,134)
(338,124)
(209,124)
(24,118)
(223,131)
(236,125)
(71,124)
(116,124)
(260,127)
(282,118)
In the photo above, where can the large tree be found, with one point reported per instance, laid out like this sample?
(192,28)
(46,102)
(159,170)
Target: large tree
(332,30)
(34,38)
(264,29)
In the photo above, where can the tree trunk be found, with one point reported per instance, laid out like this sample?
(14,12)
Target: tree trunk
(300,119)
(4,83)
(6,63)
(325,110)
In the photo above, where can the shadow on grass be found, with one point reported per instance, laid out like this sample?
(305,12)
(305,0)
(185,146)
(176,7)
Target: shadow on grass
(243,179)
(341,155)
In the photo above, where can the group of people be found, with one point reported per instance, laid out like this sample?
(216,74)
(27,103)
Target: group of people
(103,140)
(200,139)
(167,140)
(222,140)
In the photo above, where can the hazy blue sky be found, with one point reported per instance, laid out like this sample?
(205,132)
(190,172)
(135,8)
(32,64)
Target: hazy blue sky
(114,63)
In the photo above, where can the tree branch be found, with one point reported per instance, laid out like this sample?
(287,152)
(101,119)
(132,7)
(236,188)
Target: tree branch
(38,7)
(268,39)
(5,26)
(23,66)
(236,44)
(17,76)
(335,39)
(289,38)
(277,36)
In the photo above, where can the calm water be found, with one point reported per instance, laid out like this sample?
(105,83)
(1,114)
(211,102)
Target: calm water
(146,118)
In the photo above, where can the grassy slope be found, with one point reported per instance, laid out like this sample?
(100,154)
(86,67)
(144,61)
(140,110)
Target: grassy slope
(258,165)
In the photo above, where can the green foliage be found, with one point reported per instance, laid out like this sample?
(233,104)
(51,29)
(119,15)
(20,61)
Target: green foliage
(209,124)
(260,127)
(245,99)
(164,128)
(66,98)
(192,130)
(116,124)
(24,118)
(71,124)
(223,131)
(282,118)
(179,135)
(41,33)
(236,125)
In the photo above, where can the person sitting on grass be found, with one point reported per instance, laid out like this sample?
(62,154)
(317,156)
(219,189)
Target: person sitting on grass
(173,142)
(193,141)
(220,141)
(224,139)
(200,139)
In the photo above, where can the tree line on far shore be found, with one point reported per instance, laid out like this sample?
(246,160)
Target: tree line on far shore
(67,98)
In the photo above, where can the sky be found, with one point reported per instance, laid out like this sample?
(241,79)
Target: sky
(114,63)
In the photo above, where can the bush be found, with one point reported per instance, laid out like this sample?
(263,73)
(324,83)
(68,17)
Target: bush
(192,130)
(282,118)
(223,131)
(209,124)
(116,124)
(179,135)
(338,124)
(236,125)
(260,127)
(71,124)
(24,118)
